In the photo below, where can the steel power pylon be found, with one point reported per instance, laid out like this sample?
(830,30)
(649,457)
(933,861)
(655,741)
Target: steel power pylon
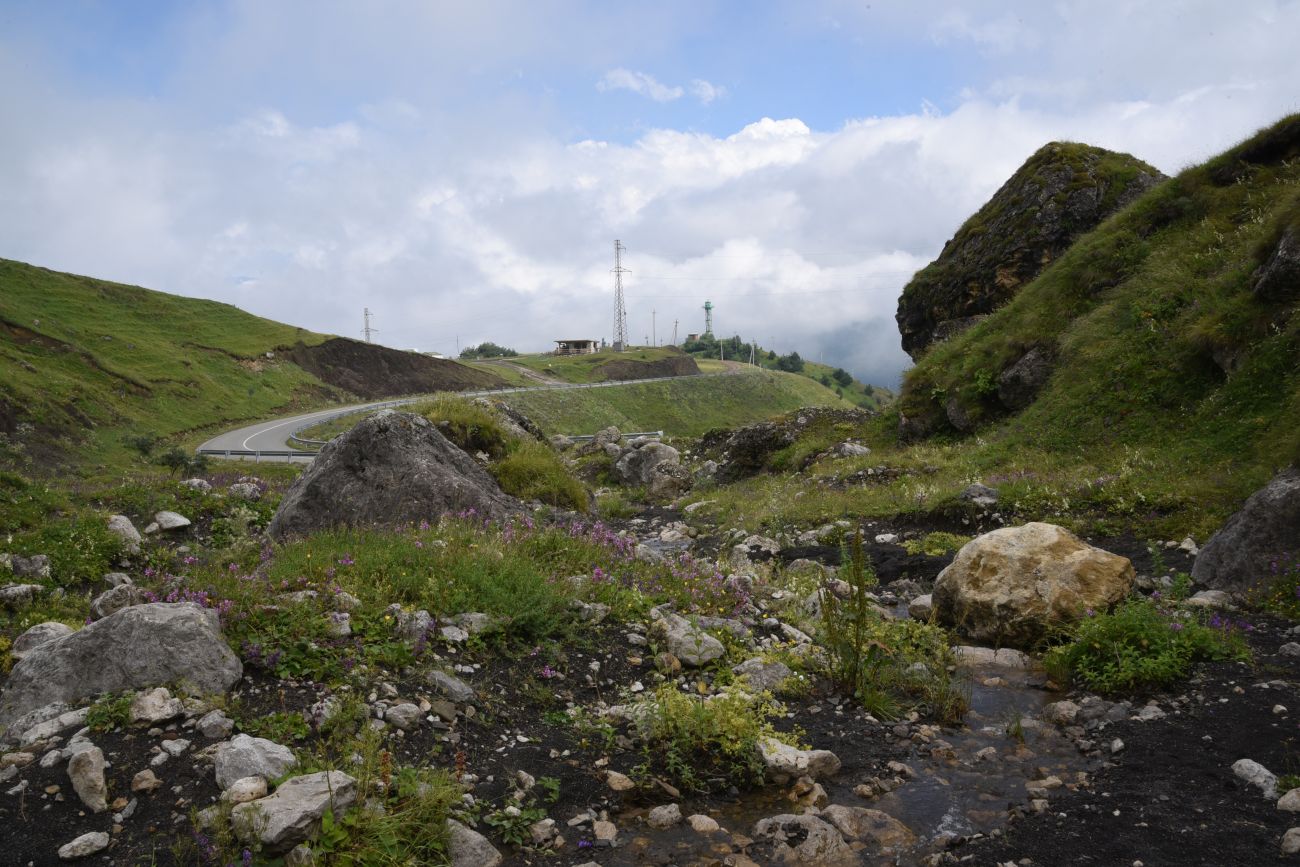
(367,331)
(620,308)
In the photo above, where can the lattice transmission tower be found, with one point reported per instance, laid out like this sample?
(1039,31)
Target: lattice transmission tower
(620,308)
(367,331)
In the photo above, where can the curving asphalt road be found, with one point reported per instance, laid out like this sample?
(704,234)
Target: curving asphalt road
(270,439)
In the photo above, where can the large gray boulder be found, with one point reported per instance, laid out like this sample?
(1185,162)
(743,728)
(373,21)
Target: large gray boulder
(1020,383)
(637,465)
(391,469)
(1278,279)
(141,646)
(1255,542)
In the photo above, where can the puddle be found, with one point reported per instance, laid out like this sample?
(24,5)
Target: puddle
(953,793)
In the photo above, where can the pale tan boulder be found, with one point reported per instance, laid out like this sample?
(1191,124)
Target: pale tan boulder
(1013,586)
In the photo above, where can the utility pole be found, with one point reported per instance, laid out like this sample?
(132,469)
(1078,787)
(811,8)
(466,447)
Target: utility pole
(654,334)
(674,332)
(367,330)
(620,308)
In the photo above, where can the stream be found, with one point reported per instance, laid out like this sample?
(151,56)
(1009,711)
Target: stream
(963,780)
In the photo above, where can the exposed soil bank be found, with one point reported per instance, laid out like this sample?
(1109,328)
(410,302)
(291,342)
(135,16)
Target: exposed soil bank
(372,372)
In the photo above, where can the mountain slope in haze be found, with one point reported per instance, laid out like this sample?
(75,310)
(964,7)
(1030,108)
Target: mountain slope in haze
(1062,191)
(1171,328)
(83,360)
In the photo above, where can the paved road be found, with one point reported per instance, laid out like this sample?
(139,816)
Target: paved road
(273,436)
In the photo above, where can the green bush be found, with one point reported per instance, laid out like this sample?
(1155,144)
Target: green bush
(877,658)
(694,740)
(936,544)
(533,471)
(1281,593)
(109,712)
(1143,644)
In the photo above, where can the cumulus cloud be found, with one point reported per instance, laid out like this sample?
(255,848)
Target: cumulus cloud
(459,218)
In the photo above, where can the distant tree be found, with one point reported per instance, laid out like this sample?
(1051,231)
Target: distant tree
(487,350)
(771,355)
(824,380)
(842,376)
(791,363)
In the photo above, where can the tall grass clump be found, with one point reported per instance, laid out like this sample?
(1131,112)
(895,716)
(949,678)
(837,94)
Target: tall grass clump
(890,666)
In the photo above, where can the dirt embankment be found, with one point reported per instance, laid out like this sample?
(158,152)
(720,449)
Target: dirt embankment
(371,371)
(677,365)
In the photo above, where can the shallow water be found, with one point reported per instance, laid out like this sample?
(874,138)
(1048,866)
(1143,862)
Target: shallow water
(952,794)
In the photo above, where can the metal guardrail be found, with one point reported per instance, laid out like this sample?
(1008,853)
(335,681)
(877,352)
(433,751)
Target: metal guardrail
(257,454)
(584,438)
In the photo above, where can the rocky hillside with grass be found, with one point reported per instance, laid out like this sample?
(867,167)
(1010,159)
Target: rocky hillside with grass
(85,361)
(1169,333)
(1064,190)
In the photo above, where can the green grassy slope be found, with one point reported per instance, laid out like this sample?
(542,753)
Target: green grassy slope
(1161,350)
(586,368)
(84,360)
(684,407)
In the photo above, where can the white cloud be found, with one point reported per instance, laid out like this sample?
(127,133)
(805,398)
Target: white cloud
(706,92)
(454,219)
(638,82)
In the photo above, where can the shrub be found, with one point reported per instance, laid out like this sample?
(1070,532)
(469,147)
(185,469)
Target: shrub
(936,544)
(1281,593)
(109,712)
(696,741)
(533,471)
(877,659)
(1142,644)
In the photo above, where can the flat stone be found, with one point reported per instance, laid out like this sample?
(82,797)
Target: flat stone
(870,826)
(155,706)
(243,790)
(690,645)
(86,770)
(170,520)
(603,830)
(289,816)
(468,848)
(785,762)
(1257,775)
(216,725)
(84,846)
(405,716)
(702,824)
(619,782)
(245,756)
(1291,841)
(145,781)
(121,527)
(452,687)
(664,816)
(1290,802)
(763,674)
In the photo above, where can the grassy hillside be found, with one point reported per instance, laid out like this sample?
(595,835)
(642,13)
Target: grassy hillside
(84,362)
(1161,354)
(685,407)
(586,368)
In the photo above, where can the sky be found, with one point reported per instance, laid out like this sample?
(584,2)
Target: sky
(462,169)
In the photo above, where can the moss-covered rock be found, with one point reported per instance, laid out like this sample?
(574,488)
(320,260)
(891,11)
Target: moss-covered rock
(1062,191)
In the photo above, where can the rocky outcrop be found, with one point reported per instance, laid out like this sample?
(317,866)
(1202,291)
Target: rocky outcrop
(1255,542)
(1020,383)
(1062,191)
(1014,585)
(636,465)
(391,469)
(1278,279)
(141,646)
